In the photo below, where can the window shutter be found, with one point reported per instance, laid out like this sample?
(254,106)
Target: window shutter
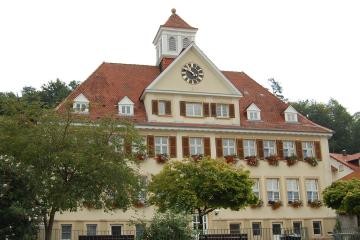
(206,109)
(182,108)
(207,151)
(299,152)
(219,148)
(150,146)
(213,109)
(240,148)
(172,141)
(168,107)
(185,146)
(317,150)
(279,148)
(154,107)
(231,111)
(260,149)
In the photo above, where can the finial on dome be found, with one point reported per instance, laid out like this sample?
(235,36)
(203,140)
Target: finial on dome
(173,10)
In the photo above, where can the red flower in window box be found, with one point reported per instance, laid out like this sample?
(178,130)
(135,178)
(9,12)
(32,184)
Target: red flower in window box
(252,161)
(230,158)
(275,204)
(291,160)
(315,203)
(295,203)
(162,158)
(141,156)
(312,161)
(197,157)
(273,160)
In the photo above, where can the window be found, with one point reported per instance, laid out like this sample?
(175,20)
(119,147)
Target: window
(222,110)
(126,110)
(269,148)
(186,42)
(118,143)
(297,228)
(194,109)
(142,193)
(139,229)
(81,107)
(196,146)
(256,228)
(256,187)
(161,107)
(272,187)
(317,228)
(289,148)
(253,115)
(161,145)
(196,222)
(91,229)
(234,228)
(249,148)
(308,149)
(228,147)
(291,117)
(66,231)
(292,186)
(116,230)
(172,43)
(311,190)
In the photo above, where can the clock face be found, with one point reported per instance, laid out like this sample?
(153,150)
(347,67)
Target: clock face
(192,73)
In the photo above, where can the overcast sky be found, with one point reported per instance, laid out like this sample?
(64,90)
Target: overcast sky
(312,47)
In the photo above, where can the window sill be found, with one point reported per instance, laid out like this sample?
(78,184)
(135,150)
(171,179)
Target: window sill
(163,115)
(194,116)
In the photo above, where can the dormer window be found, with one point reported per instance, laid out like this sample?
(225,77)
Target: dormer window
(172,43)
(291,115)
(81,104)
(186,42)
(126,107)
(253,113)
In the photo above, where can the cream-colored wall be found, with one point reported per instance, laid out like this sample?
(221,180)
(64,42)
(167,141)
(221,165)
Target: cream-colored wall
(339,174)
(211,83)
(265,214)
(175,109)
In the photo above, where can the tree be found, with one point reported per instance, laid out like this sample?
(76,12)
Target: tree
(54,92)
(71,165)
(277,89)
(344,196)
(201,187)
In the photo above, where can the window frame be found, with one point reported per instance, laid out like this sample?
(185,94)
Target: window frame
(196,221)
(271,192)
(220,113)
(161,144)
(235,231)
(116,225)
(256,231)
(288,150)
(80,109)
(172,44)
(256,187)
(162,103)
(308,149)
(248,149)
(291,117)
(320,227)
(89,231)
(294,228)
(293,191)
(268,149)
(310,197)
(193,109)
(253,115)
(196,146)
(68,232)
(227,148)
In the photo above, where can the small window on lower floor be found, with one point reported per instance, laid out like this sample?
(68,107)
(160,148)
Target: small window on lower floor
(297,228)
(91,229)
(66,231)
(256,228)
(317,228)
(116,230)
(234,228)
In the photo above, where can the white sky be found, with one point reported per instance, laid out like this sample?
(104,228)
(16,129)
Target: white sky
(312,47)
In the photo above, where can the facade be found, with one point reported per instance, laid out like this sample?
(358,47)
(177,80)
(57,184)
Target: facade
(184,106)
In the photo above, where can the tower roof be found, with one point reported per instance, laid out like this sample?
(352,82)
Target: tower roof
(175,21)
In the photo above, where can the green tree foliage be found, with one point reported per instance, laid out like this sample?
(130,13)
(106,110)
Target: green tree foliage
(201,187)
(70,165)
(277,89)
(54,92)
(168,225)
(333,116)
(344,196)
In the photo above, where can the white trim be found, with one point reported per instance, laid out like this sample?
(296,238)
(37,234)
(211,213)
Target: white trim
(81,98)
(236,91)
(179,30)
(231,130)
(190,93)
(126,100)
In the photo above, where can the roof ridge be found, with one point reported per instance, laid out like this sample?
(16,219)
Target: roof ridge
(175,21)
(132,64)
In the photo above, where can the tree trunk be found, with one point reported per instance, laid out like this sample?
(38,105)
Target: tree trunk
(49,224)
(201,222)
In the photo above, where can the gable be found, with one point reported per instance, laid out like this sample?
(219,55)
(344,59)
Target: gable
(126,101)
(213,82)
(290,109)
(81,98)
(253,107)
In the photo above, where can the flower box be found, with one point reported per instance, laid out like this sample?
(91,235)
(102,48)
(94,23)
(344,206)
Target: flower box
(140,156)
(292,160)
(295,203)
(252,161)
(139,204)
(312,161)
(197,157)
(260,203)
(275,204)
(273,160)
(162,158)
(315,203)
(230,159)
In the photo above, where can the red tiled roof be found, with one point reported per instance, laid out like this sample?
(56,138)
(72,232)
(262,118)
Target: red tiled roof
(111,82)
(175,21)
(343,159)
(353,175)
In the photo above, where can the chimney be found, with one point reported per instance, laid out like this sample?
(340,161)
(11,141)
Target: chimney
(344,152)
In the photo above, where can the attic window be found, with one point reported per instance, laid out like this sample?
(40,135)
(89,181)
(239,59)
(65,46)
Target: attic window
(172,43)
(81,104)
(186,42)
(253,113)
(126,107)
(291,114)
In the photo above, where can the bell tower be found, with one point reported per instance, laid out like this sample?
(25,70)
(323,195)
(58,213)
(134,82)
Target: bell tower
(171,38)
